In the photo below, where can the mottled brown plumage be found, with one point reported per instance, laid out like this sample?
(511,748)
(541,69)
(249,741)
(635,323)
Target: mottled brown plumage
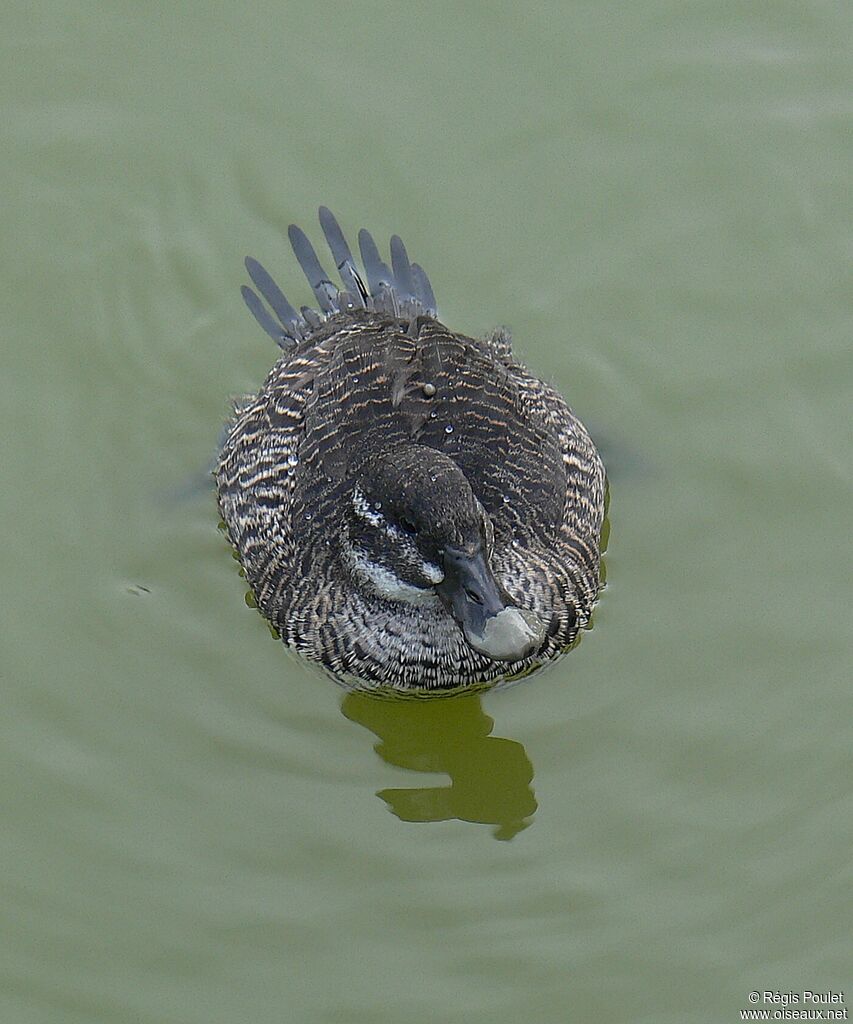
(412,508)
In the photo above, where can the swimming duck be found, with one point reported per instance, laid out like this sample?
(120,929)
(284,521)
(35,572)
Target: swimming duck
(413,509)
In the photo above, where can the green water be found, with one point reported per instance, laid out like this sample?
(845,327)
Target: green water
(655,196)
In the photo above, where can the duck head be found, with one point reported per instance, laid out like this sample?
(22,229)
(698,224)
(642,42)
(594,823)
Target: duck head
(417,532)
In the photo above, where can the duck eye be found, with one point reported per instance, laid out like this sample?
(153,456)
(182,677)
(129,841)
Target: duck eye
(407,526)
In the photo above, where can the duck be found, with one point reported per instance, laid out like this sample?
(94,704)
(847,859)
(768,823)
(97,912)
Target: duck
(414,511)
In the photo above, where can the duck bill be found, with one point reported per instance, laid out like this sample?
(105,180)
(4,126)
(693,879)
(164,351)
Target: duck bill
(490,622)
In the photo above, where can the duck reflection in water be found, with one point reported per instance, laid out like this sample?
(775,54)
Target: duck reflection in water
(490,776)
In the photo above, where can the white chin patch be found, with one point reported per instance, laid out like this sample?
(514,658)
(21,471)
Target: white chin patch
(512,634)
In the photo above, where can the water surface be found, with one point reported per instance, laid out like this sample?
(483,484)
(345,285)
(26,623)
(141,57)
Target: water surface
(655,197)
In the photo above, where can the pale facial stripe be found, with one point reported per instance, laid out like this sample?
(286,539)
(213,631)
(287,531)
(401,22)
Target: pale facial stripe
(387,585)
(366,512)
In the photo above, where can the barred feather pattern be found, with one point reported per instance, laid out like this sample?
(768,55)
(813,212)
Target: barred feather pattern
(380,371)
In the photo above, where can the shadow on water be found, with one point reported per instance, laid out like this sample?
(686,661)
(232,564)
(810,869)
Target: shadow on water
(490,776)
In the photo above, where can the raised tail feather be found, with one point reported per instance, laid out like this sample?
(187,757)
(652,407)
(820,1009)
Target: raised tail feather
(403,290)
